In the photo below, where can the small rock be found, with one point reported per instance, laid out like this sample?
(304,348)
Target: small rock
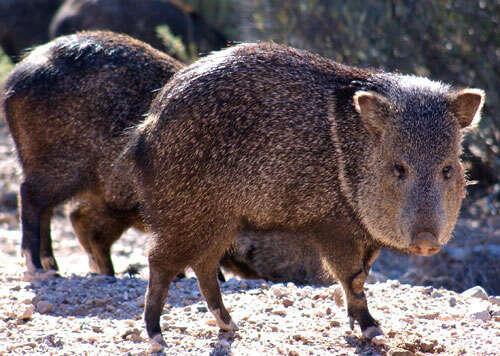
(495,300)
(281,312)
(101,301)
(334,324)
(305,292)
(427,290)
(287,303)
(400,352)
(452,301)
(26,312)
(132,335)
(155,346)
(480,311)
(427,346)
(140,302)
(44,307)
(395,283)
(436,294)
(278,290)
(211,322)
(475,292)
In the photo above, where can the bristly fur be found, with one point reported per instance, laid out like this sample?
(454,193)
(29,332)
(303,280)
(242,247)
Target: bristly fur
(68,105)
(267,137)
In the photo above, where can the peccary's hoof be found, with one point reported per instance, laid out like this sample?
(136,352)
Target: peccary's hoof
(227,326)
(156,344)
(375,335)
(30,276)
(231,326)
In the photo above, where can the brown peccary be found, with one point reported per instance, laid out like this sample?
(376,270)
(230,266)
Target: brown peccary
(266,137)
(68,106)
(139,19)
(276,257)
(24,23)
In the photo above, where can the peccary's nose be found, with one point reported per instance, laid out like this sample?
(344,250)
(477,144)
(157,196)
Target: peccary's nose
(424,244)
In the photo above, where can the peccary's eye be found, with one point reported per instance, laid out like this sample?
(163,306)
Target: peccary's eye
(447,171)
(399,171)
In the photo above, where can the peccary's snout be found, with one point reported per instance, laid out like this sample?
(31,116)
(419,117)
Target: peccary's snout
(424,244)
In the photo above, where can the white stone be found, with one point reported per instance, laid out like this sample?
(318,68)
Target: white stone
(475,292)
(480,310)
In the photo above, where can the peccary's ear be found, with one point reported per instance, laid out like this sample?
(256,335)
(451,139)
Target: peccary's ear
(466,105)
(373,110)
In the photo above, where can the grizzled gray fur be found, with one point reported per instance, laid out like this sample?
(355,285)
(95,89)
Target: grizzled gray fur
(68,106)
(266,137)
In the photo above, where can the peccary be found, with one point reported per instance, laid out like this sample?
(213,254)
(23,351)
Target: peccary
(24,23)
(276,257)
(139,19)
(266,137)
(68,105)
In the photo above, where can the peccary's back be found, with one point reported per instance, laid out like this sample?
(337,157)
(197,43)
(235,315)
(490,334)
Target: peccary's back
(70,102)
(250,123)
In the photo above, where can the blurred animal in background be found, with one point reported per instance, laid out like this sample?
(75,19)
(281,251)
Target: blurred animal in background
(140,19)
(25,23)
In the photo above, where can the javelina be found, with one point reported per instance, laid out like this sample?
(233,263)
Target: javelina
(277,257)
(24,23)
(261,136)
(139,19)
(68,105)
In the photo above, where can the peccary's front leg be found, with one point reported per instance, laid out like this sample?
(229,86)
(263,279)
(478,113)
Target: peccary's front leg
(350,262)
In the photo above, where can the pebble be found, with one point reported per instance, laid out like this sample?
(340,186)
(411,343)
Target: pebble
(287,302)
(154,346)
(281,312)
(278,290)
(475,292)
(436,294)
(479,310)
(44,307)
(401,352)
(427,290)
(26,312)
(452,301)
(495,300)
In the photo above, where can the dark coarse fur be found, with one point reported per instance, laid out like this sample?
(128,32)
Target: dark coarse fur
(139,19)
(25,23)
(267,137)
(277,257)
(68,106)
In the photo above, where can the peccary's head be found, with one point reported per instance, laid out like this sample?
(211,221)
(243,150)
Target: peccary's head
(412,181)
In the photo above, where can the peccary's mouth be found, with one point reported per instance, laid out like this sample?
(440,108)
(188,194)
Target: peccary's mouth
(424,244)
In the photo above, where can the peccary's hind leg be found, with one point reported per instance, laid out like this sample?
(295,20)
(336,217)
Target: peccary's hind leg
(35,220)
(97,229)
(156,296)
(46,253)
(351,262)
(206,273)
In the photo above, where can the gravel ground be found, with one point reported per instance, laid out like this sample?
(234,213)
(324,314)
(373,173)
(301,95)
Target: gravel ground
(80,313)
